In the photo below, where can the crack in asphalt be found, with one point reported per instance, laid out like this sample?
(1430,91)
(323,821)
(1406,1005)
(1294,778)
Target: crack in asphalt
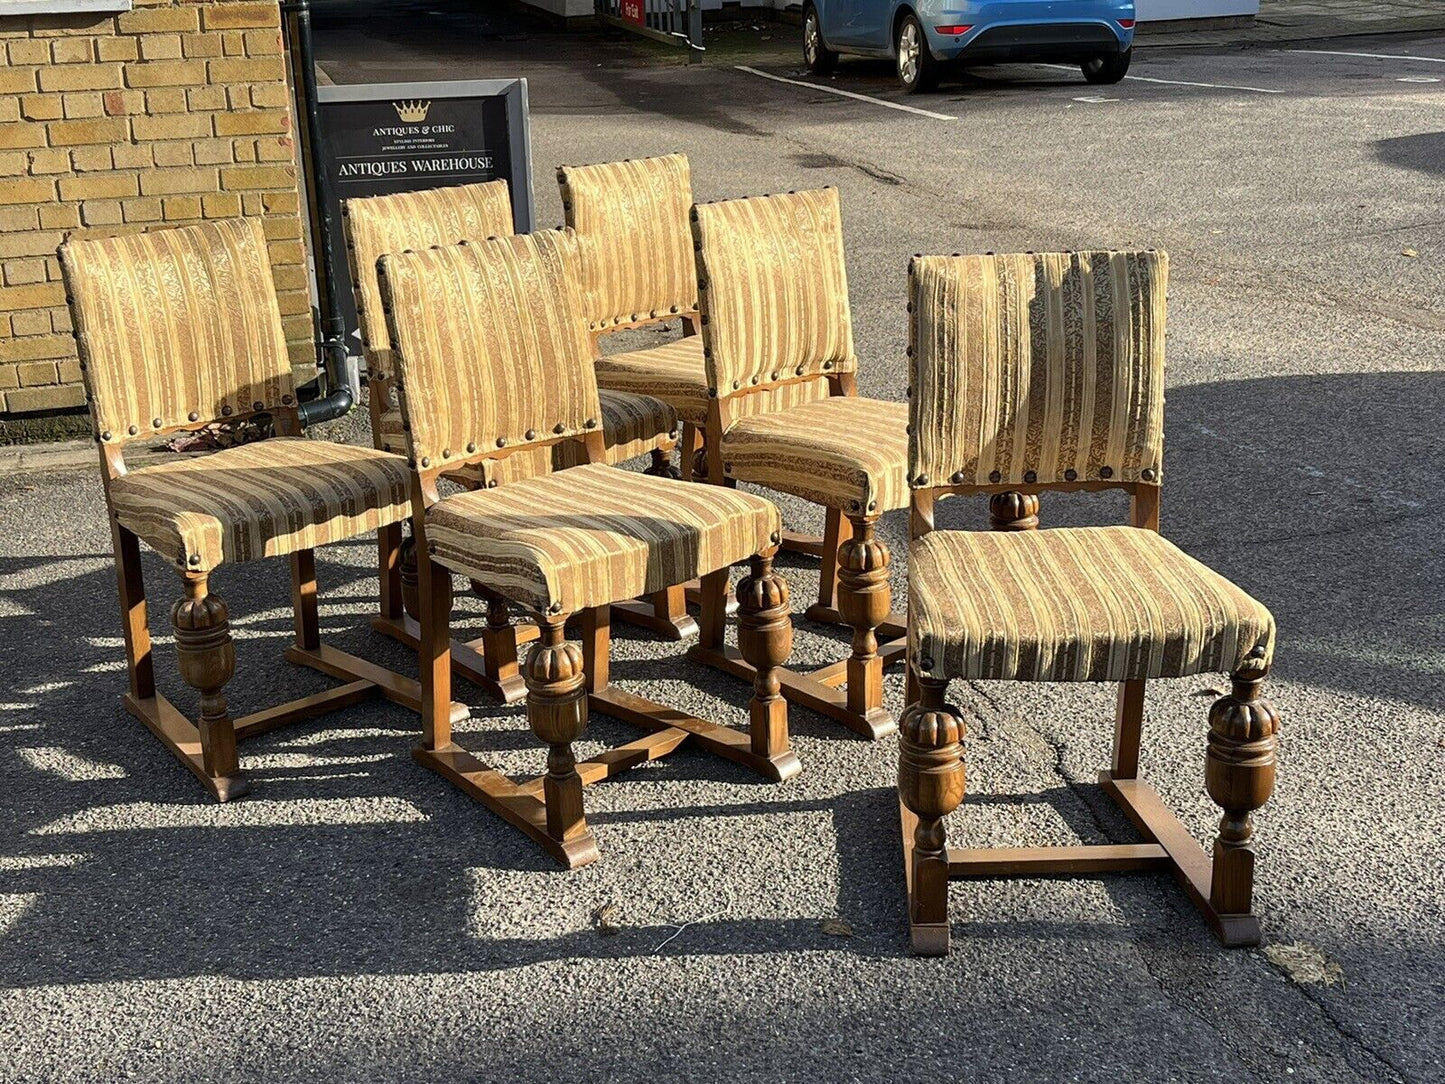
(1253,1054)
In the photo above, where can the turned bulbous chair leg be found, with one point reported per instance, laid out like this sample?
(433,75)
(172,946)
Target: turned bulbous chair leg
(206,658)
(557,712)
(662,465)
(930,786)
(864,600)
(1239,775)
(1014,511)
(765,640)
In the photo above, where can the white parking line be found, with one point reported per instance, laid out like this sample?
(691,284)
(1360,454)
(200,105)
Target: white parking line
(1371,56)
(847,94)
(1173,82)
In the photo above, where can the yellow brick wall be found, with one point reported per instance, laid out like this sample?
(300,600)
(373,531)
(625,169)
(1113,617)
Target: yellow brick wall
(168,113)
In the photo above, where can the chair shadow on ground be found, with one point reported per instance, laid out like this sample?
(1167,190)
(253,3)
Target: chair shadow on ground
(1320,494)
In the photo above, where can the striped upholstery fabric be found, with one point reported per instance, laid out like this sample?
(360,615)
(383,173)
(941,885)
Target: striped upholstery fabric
(177,326)
(633,238)
(491,348)
(594,535)
(258,500)
(435,216)
(1073,604)
(772,288)
(674,373)
(1046,368)
(845,452)
(632,425)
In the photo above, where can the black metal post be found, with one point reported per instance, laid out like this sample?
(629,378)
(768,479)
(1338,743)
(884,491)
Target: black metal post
(333,396)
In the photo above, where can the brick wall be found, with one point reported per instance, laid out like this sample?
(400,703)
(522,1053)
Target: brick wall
(168,113)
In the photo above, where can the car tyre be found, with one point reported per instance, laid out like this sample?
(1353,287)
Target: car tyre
(816,55)
(917,66)
(1107,69)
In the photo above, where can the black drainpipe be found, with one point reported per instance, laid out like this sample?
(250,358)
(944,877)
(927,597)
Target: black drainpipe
(331,397)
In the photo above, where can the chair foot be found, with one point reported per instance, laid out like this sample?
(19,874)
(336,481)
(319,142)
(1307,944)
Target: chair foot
(804,690)
(504,798)
(468,659)
(663,614)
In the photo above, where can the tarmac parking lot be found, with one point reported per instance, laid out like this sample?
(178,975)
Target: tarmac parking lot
(357,918)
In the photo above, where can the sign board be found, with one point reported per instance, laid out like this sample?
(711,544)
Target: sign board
(633,11)
(377,139)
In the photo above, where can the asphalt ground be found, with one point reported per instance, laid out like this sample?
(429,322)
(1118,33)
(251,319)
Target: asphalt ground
(356,918)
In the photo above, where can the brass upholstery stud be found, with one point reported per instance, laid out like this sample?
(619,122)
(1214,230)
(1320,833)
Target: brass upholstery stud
(995,476)
(1031,476)
(225,412)
(957,478)
(195,559)
(559,428)
(921,480)
(446,453)
(193,416)
(471,447)
(133,430)
(501,442)
(258,405)
(591,423)
(1106,472)
(1147,474)
(1070,475)
(155,423)
(425,461)
(106,434)
(530,434)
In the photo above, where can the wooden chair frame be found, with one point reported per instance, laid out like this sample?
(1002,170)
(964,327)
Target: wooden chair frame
(855,573)
(207,658)
(563,684)
(1239,774)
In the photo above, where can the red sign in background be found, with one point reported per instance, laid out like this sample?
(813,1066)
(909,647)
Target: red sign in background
(632,12)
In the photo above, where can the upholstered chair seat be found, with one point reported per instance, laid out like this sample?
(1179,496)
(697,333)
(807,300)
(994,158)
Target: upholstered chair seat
(671,371)
(266,499)
(595,534)
(1074,604)
(631,425)
(843,452)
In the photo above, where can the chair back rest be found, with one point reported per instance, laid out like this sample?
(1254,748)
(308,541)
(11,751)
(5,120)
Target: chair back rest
(490,347)
(773,290)
(633,238)
(1037,368)
(177,327)
(436,216)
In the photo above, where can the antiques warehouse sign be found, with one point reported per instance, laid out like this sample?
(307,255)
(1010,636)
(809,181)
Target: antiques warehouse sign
(400,137)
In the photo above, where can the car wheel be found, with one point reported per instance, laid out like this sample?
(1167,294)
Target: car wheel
(816,55)
(917,68)
(1107,69)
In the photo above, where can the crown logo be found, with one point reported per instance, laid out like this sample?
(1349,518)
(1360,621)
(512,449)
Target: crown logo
(413,112)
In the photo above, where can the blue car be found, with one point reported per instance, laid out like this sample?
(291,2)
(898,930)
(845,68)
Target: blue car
(923,36)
